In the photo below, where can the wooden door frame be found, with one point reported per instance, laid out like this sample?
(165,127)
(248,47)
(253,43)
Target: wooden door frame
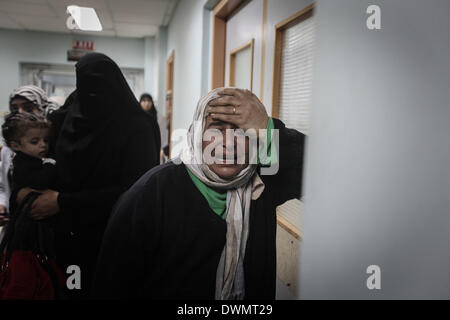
(169,90)
(221,12)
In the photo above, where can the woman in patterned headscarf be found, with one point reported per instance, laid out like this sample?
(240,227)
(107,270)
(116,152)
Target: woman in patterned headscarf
(31,99)
(23,99)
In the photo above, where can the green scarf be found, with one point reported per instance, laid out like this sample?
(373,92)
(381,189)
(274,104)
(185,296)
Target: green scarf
(217,201)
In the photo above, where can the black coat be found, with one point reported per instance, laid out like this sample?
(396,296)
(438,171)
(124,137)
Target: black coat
(104,143)
(30,172)
(163,241)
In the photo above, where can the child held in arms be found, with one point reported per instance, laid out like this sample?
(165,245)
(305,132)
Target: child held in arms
(27,135)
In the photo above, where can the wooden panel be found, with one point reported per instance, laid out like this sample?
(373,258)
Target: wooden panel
(232,71)
(288,239)
(288,249)
(225,8)
(289,217)
(276,74)
(219,30)
(169,95)
(296,18)
(169,72)
(263,51)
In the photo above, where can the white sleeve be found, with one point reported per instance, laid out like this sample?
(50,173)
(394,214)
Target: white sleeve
(2,189)
(4,185)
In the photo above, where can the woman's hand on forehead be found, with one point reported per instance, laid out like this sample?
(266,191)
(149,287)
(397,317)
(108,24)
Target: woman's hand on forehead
(239,107)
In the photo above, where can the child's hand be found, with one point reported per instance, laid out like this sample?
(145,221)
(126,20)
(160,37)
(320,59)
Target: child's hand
(45,206)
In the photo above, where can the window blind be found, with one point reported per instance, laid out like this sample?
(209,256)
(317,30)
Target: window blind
(297,46)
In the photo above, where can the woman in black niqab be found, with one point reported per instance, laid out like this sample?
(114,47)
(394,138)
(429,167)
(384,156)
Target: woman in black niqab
(103,113)
(104,143)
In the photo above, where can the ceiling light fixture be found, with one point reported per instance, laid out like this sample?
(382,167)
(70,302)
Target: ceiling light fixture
(83,18)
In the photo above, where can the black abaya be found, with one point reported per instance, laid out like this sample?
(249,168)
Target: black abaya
(105,142)
(163,241)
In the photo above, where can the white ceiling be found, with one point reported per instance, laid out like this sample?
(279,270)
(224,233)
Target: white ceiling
(121,18)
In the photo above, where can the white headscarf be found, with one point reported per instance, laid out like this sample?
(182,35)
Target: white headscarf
(37,96)
(240,191)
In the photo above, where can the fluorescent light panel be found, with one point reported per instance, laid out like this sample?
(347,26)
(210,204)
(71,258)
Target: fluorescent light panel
(85,18)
